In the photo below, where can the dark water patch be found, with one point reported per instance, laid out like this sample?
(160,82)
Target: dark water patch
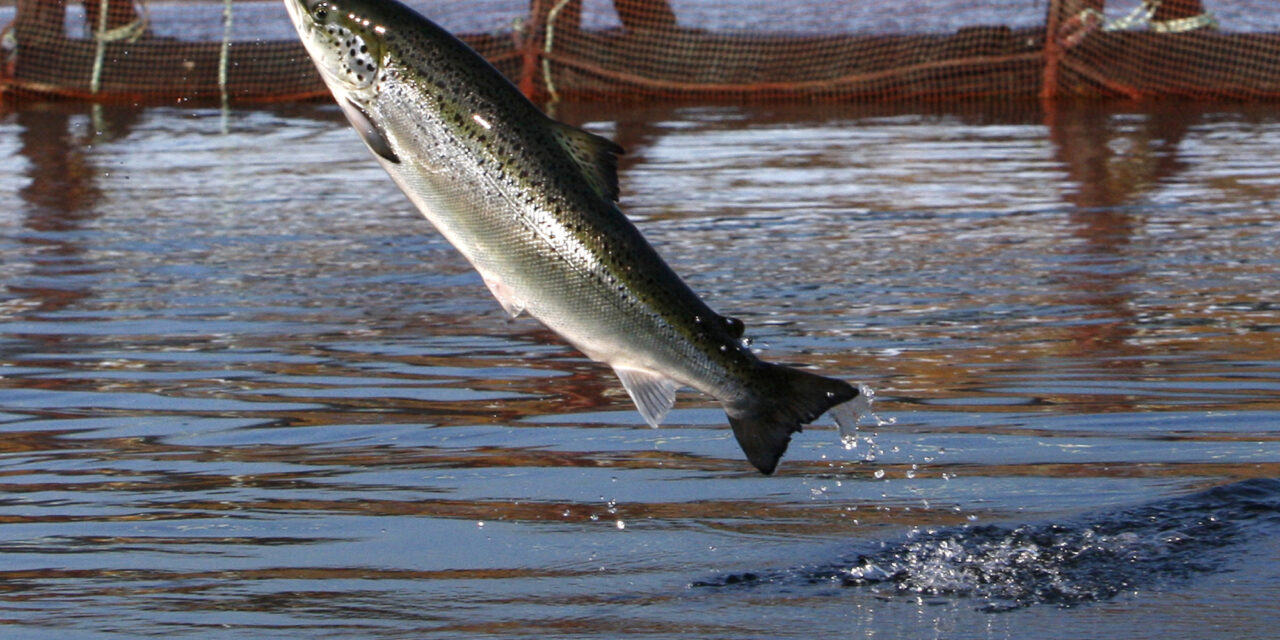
(1098,557)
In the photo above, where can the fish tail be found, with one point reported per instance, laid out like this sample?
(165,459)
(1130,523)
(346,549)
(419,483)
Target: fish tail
(785,400)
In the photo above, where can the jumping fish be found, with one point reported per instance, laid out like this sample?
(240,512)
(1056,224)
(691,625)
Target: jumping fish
(532,205)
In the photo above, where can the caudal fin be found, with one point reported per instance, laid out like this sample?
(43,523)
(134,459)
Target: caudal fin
(786,399)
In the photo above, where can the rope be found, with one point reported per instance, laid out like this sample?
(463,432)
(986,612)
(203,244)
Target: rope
(546,48)
(127,32)
(1182,25)
(130,32)
(1142,14)
(224,57)
(95,81)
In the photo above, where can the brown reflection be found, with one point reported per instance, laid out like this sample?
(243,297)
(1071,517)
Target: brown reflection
(63,191)
(183,491)
(56,140)
(59,198)
(641,125)
(1114,158)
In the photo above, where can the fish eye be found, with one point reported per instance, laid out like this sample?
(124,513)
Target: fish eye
(320,11)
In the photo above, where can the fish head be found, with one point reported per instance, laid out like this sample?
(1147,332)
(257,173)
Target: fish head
(347,41)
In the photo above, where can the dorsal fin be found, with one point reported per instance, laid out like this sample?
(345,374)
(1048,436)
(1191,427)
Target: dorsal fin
(596,156)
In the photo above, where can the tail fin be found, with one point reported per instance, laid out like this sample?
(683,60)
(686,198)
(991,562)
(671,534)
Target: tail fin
(785,400)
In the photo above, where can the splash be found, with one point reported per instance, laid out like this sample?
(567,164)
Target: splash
(848,414)
(1155,546)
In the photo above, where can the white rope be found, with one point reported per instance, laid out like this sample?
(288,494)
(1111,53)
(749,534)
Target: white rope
(128,32)
(1143,14)
(224,57)
(1182,25)
(95,82)
(546,60)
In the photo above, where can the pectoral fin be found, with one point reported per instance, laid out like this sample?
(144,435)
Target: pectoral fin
(653,393)
(369,132)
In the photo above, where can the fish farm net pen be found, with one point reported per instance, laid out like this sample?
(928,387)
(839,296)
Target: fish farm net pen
(229,51)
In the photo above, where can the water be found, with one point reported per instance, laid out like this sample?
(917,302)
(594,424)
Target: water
(246,392)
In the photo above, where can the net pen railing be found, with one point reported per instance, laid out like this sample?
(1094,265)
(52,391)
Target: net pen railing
(709,50)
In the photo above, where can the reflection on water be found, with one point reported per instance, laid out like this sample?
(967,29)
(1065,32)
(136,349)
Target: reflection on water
(243,386)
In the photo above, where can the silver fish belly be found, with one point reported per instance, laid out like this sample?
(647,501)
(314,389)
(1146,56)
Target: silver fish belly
(531,204)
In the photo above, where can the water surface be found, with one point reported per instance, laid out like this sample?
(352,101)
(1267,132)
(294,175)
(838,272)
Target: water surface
(245,391)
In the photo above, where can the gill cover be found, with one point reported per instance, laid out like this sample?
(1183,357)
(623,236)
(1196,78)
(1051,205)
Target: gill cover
(348,44)
(350,56)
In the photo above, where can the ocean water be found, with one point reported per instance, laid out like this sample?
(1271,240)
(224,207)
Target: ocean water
(247,392)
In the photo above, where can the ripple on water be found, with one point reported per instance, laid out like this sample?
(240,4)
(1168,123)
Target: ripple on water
(244,388)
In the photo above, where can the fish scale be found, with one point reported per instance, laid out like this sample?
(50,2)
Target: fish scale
(532,205)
